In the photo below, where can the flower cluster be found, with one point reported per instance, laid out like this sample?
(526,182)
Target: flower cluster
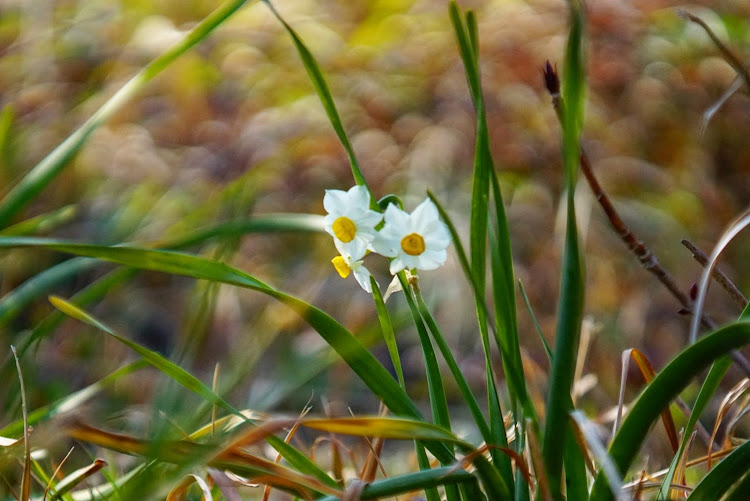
(417,240)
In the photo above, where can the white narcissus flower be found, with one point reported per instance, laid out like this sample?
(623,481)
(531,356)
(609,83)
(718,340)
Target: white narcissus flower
(417,240)
(350,220)
(345,264)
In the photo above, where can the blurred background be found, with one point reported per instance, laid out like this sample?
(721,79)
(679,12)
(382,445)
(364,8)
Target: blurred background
(234,129)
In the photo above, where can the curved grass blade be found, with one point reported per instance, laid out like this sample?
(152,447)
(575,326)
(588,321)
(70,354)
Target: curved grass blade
(190,382)
(737,226)
(168,368)
(46,170)
(324,94)
(186,452)
(664,388)
(351,350)
(723,476)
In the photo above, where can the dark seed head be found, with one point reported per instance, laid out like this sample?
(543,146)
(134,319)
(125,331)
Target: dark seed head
(694,291)
(551,80)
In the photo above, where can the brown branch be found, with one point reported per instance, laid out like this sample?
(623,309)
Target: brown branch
(636,246)
(717,275)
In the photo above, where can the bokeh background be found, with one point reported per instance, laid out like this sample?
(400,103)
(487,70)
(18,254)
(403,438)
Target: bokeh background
(234,129)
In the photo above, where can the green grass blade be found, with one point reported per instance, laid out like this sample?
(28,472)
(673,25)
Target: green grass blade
(740,490)
(46,170)
(664,388)
(714,377)
(168,368)
(14,303)
(351,350)
(388,335)
(42,223)
(570,306)
(267,223)
(324,94)
(538,327)
(723,476)
(467,38)
(466,50)
(438,400)
(193,384)
(402,484)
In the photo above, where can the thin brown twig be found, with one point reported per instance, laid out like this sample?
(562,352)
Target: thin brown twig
(718,275)
(636,246)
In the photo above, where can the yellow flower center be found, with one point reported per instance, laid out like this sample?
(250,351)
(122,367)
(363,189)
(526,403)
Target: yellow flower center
(341,266)
(413,244)
(344,229)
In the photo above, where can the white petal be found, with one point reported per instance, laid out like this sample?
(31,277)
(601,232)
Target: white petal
(362,275)
(358,196)
(334,201)
(426,211)
(431,259)
(396,265)
(397,217)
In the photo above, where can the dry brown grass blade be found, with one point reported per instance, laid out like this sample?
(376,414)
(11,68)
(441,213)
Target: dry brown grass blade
(583,447)
(56,472)
(726,404)
(367,474)
(73,479)
(683,461)
(744,411)
(648,372)
(537,461)
(179,491)
(230,457)
(287,439)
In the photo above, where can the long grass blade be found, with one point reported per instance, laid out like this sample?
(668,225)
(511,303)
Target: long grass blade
(54,163)
(723,476)
(664,388)
(737,226)
(324,94)
(362,362)
(570,306)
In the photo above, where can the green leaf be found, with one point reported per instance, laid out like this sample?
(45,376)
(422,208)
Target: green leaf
(664,388)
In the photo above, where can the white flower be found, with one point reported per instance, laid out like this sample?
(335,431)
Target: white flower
(345,264)
(350,220)
(416,240)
